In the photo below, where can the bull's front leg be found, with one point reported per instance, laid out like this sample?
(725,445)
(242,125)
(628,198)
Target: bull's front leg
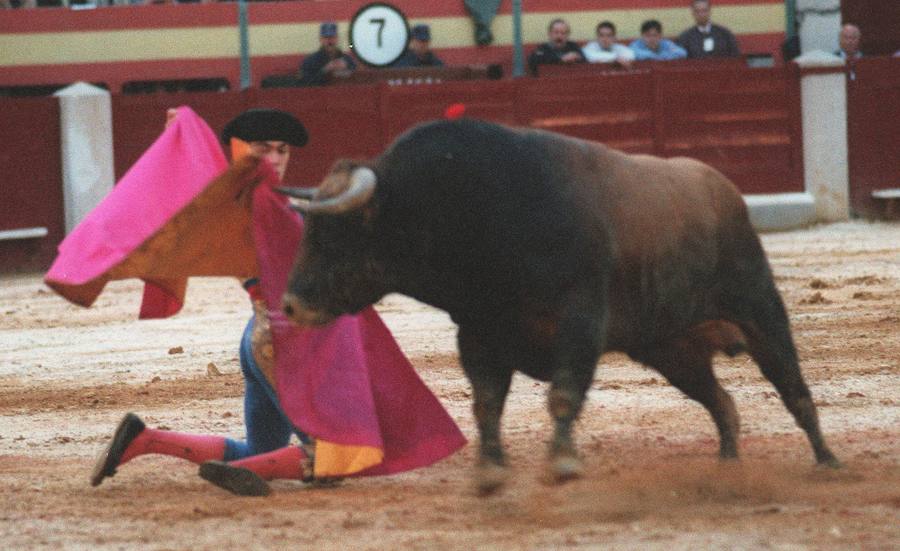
(579,347)
(490,381)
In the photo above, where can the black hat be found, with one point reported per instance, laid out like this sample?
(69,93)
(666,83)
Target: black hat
(261,125)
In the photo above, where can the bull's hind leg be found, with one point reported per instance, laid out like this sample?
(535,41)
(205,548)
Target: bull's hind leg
(757,308)
(490,378)
(687,364)
(771,346)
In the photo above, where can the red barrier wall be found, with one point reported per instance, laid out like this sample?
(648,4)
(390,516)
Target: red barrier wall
(342,121)
(873,113)
(742,121)
(31,193)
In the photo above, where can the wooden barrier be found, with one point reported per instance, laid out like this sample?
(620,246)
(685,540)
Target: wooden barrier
(32,220)
(873,140)
(742,121)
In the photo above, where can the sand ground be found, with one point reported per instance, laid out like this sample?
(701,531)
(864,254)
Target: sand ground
(67,375)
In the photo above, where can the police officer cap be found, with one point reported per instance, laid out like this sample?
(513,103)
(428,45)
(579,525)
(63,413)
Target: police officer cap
(328,29)
(421,32)
(263,125)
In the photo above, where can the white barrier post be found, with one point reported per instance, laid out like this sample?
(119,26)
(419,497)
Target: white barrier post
(87,149)
(823,93)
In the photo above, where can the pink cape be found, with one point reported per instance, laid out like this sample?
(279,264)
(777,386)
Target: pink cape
(347,384)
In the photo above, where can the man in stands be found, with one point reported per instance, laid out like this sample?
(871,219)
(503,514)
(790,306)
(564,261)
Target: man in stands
(419,53)
(849,40)
(706,39)
(557,49)
(605,49)
(651,45)
(328,62)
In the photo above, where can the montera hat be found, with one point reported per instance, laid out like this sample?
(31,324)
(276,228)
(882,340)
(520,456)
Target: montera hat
(262,125)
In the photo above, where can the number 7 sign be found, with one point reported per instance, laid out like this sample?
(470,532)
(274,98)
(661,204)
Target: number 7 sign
(379,34)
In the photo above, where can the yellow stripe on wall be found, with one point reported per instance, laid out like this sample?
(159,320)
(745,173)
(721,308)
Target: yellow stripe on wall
(302,38)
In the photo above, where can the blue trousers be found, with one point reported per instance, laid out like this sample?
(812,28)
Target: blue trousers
(268,428)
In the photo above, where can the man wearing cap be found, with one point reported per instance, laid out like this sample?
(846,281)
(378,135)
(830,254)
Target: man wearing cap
(241,467)
(328,61)
(419,53)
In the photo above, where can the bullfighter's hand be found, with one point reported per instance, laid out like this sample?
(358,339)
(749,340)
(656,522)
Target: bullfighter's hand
(261,342)
(171,113)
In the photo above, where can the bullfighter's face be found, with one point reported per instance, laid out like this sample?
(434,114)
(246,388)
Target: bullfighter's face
(277,153)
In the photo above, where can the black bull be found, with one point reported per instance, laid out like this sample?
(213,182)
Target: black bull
(547,251)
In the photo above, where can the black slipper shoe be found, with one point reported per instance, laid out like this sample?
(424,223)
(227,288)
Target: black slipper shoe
(129,428)
(237,480)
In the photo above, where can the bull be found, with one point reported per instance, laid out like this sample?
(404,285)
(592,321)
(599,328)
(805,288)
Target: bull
(548,251)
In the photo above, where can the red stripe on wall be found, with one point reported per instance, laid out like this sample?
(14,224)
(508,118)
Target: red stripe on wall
(220,14)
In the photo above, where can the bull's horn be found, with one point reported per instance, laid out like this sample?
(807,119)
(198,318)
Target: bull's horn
(357,194)
(297,192)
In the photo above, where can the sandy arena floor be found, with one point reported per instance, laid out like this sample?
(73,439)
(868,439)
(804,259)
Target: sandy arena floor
(68,374)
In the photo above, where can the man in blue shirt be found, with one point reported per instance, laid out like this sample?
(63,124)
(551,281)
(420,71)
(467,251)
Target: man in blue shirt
(329,61)
(651,44)
(419,53)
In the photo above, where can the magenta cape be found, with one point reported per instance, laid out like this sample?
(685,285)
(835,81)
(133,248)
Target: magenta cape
(347,384)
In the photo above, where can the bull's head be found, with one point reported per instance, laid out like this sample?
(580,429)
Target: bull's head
(337,270)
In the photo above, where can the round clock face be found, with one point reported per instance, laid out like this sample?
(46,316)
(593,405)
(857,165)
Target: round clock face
(378,34)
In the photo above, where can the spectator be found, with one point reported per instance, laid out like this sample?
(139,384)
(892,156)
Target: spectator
(328,62)
(419,53)
(557,49)
(706,39)
(849,41)
(605,49)
(651,44)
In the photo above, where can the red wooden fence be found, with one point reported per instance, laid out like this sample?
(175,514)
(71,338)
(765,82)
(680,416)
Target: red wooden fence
(743,121)
(31,191)
(873,115)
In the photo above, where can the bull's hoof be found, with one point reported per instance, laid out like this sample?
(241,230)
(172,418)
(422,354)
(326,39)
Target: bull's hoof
(489,478)
(831,463)
(566,467)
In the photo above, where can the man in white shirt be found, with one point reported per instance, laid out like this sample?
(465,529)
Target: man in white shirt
(605,49)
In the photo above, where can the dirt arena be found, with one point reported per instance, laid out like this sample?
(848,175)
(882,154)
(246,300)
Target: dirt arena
(652,480)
